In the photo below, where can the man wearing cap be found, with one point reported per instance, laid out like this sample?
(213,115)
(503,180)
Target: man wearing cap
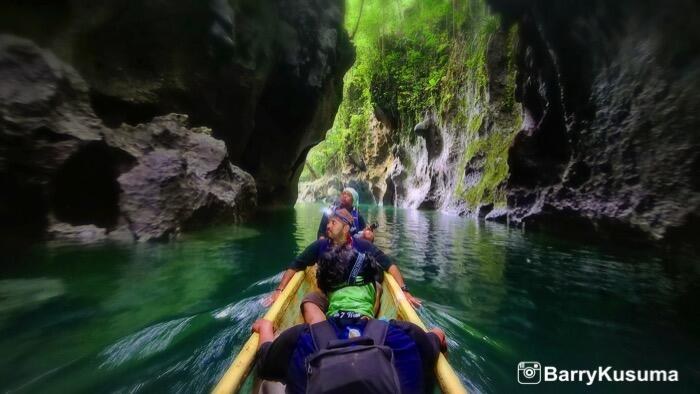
(347,200)
(315,304)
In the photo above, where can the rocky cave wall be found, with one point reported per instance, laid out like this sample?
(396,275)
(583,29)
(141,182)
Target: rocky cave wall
(265,76)
(611,137)
(63,172)
(87,92)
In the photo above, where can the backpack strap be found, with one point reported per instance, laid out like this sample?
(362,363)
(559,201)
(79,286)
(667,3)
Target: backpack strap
(355,219)
(359,263)
(322,334)
(376,329)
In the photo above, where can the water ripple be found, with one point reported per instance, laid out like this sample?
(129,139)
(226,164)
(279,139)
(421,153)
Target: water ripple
(144,343)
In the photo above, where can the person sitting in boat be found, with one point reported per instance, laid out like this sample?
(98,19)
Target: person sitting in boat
(315,304)
(389,357)
(406,367)
(350,286)
(348,200)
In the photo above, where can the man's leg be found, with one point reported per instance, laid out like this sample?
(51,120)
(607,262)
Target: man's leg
(312,313)
(314,307)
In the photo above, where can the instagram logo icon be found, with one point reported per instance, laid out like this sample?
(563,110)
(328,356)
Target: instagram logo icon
(529,372)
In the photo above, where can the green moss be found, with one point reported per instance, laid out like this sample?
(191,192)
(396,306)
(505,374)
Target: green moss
(509,100)
(471,80)
(489,189)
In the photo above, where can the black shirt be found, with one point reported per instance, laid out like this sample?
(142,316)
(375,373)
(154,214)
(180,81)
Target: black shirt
(310,255)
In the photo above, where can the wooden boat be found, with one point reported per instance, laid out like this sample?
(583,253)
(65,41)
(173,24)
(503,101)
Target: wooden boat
(285,313)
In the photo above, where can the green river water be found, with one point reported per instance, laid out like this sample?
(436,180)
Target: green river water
(169,317)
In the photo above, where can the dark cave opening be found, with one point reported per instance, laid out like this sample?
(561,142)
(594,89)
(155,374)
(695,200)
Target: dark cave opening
(22,208)
(85,189)
(388,198)
(114,111)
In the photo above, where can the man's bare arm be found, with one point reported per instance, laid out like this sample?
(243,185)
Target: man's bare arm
(394,272)
(288,274)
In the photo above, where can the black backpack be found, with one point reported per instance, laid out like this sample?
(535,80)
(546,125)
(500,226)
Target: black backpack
(356,365)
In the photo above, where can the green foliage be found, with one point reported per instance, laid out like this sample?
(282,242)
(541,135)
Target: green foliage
(419,55)
(402,50)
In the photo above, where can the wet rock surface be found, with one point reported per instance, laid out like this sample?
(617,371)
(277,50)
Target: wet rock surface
(182,179)
(610,96)
(430,132)
(64,174)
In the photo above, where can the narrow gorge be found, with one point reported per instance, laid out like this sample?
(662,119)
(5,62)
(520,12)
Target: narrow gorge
(528,171)
(540,114)
(577,118)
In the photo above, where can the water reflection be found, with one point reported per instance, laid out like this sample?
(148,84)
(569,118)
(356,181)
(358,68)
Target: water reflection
(170,317)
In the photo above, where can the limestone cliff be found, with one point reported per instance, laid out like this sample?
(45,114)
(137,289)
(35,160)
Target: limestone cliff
(438,131)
